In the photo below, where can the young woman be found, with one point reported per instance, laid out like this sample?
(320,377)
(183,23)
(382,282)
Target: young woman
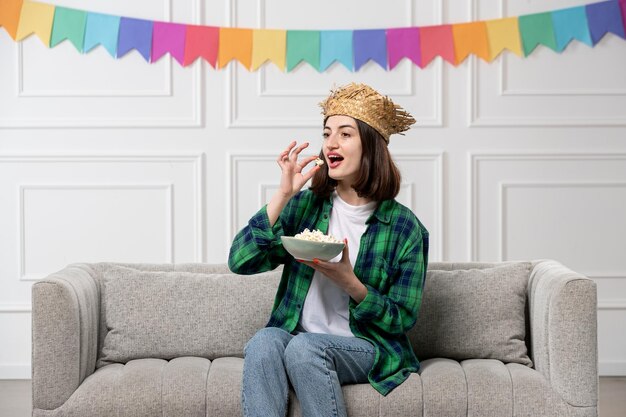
(343,321)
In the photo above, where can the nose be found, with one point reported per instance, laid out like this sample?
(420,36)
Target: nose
(331,141)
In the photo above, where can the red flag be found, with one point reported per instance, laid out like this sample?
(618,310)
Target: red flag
(437,40)
(201,41)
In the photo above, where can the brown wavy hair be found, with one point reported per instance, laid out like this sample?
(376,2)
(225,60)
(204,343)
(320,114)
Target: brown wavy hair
(379,177)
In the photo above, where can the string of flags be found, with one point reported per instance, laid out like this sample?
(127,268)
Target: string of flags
(252,48)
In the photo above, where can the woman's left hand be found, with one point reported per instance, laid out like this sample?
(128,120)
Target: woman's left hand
(341,273)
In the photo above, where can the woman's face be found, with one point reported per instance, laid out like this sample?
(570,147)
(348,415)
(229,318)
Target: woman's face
(342,148)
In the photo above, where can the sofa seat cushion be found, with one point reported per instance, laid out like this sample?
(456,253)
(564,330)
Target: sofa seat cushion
(193,386)
(181,387)
(486,387)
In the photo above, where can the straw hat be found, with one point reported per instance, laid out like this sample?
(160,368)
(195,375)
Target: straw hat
(362,102)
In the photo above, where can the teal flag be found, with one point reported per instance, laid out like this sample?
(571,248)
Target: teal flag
(303,45)
(570,24)
(102,29)
(68,24)
(336,45)
(536,29)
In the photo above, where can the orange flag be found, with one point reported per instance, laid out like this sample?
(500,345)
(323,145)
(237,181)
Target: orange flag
(10,15)
(470,38)
(36,18)
(503,34)
(235,43)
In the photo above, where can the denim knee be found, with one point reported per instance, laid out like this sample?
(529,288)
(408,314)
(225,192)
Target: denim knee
(268,342)
(301,349)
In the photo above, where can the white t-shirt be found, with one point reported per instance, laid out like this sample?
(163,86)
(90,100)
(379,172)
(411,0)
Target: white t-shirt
(326,306)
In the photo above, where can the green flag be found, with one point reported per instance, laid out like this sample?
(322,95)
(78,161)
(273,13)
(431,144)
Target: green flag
(303,45)
(537,29)
(68,24)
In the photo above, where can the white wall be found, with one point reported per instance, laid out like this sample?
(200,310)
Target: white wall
(104,159)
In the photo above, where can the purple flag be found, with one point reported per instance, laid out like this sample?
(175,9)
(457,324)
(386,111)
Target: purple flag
(622,4)
(370,44)
(401,43)
(168,37)
(603,18)
(135,34)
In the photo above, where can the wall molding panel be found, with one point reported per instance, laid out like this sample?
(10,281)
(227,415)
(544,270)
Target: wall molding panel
(176,182)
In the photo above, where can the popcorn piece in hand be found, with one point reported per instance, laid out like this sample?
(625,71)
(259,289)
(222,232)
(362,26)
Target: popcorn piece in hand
(319,162)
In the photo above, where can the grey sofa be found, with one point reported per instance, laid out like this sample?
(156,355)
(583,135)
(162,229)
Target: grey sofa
(493,339)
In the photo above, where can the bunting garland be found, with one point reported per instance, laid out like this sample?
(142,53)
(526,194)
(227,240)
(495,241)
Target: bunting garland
(287,49)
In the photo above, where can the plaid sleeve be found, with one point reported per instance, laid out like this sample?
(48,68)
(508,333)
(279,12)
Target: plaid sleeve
(257,247)
(396,311)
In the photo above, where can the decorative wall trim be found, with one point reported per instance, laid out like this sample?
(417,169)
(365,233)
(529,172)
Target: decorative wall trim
(15,308)
(22,188)
(505,185)
(15,371)
(474,160)
(197,161)
(612,368)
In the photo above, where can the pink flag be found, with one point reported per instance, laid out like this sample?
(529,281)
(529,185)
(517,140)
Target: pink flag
(437,40)
(168,37)
(401,43)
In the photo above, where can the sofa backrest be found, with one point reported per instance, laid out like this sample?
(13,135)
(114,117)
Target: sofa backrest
(165,311)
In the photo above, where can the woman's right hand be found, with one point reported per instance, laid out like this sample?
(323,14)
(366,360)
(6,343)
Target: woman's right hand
(292,179)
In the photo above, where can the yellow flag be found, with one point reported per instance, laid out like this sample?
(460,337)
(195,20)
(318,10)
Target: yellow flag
(269,44)
(36,18)
(503,34)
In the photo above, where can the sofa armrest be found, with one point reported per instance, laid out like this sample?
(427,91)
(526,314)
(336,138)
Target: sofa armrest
(65,314)
(563,331)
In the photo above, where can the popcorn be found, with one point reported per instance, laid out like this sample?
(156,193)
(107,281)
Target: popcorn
(316,236)
(319,162)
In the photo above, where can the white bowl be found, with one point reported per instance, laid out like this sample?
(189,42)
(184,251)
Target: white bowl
(306,250)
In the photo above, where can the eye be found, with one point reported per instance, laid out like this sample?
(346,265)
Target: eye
(325,135)
(345,135)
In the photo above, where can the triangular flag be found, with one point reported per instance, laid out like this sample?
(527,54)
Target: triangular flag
(10,15)
(503,34)
(470,38)
(102,29)
(537,29)
(168,37)
(202,41)
(269,44)
(570,24)
(69,24)
(403,43)
(135,34)
(336,45)
(36,18)
(603,18)
(303,45)
(235,43)
(437,40)
(370,44)
(622,5)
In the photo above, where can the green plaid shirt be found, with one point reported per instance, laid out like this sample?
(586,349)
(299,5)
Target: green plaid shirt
(391,262)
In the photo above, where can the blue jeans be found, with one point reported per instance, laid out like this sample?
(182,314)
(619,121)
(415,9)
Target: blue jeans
(315,364)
